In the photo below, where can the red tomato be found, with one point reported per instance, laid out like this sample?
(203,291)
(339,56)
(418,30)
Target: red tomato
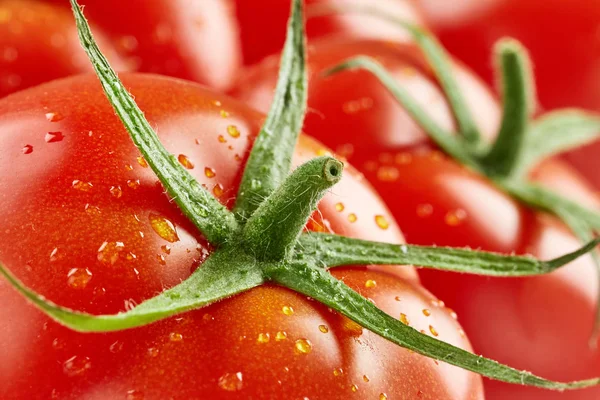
(561,36)
(188,39)
(540,324)
(263,23)
(86,224)
(38,43)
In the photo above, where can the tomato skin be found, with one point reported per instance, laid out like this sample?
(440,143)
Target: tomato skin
(562,39)
(39,43)
(520,322)
(80,192)
(263,24)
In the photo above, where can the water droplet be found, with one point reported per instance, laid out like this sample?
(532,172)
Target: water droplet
(287,310)
(224,114)
(456,217)
(263,338)
(339,207)
(54,117)
(53,137)
(397,298)
(135,395)
(370,283)
(231,381)
(185,161)
(233,131)
(366,378)
(163,227)
(222,139)
(116,191)
(166,249)
(76,365)
(92,210)
(116,347)
(58,344)
(426,312)
(142,162)
(352,217)
(55,255)
(433,331)
(388,174)
(352,328)
(302,346)
(404,319)
(207,318)
(133,183)
(218,190)
(452,314)
(153,352)
(383,396)
(280,336)
(237,157)
(27,149)
(381,222)
(424,210)
(461,332)
(129,167)
(323,328)
(78,278)
(338,372)
(209,172)
(354,388)
(161,259)
(81,185)
(108,252)
(175,337)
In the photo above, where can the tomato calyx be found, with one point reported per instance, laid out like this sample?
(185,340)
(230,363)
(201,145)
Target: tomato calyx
(262,241)
(520,144)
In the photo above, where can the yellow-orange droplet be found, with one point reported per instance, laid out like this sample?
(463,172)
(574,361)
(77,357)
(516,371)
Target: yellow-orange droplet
(456,217)
(279,336)
(185,161)
(352,217)
(135,395)
(54,117)
(381,222)
(209,172)
(287,310)
(354,388)
(366,378)
(426,312)
(233,131)
(303,346)
(175,337)
(388,174)
(263,338)
(224,114)
(166,249)
(163,227)
(338,372)
(116,191)
(433,331)
(352,327)
(383,396)
(76,365)
(133,183)
(222,139)
(78,278)
(142,162)
(81,185)
(231,382)
(218,190)
(404,319)
(370,283)
(153,352)
(339,207)
(108,252)
(323,328)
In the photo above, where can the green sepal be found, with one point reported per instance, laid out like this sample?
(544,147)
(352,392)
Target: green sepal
(207,285)
(323,287)
(271,157)
(331,251)
(213,219)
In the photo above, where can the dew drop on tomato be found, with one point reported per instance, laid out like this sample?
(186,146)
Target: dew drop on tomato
(108,252)
(54,137)
(185,161)
(233,131)
(133,183)
(135,395)
(142,161)
(54,117)
(27,149)
(231,382)
(76,366)
(263,338)
(163,227)
(381,222)
(209,172)
(175,337)
(303,346)
(281,335)
(78,278)
(116,347)
(81,185)
(116,191)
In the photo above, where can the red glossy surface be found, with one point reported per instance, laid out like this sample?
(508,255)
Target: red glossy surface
(38,43)
(82,199)
(263,23)
(539,324)
(563,40)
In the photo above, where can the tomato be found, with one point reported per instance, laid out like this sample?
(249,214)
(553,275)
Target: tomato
(38,43)
(561,36)
(263,24)
(87,225)
(540,324)
(188,39)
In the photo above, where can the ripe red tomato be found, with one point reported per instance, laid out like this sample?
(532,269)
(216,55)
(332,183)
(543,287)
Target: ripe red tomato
(38,43)
(262,24)
(86,224)
(188,39)
(561,36)
(540,324)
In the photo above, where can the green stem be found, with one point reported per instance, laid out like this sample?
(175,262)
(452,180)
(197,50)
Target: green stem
(214,220)
(271,232)
(505,154)
(270,160)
